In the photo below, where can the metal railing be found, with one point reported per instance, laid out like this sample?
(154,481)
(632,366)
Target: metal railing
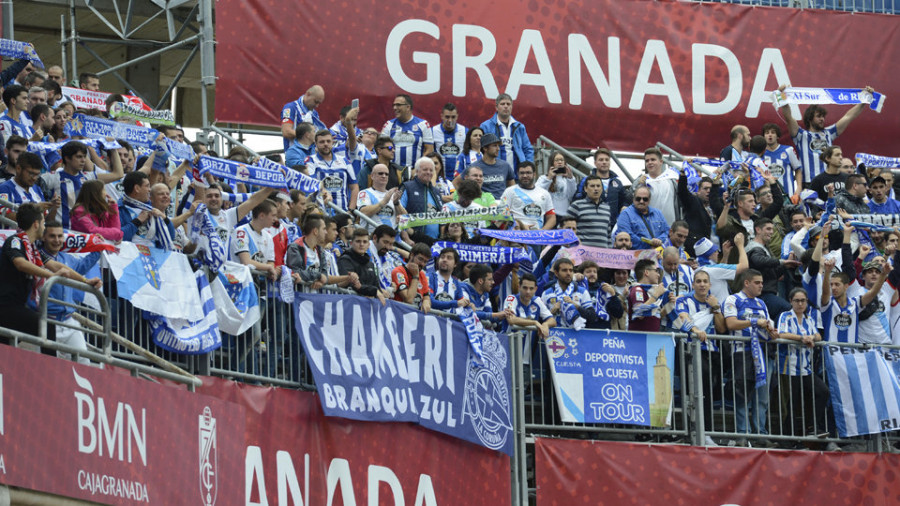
(871,6)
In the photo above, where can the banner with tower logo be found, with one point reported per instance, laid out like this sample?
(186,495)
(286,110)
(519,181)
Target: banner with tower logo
(603,376)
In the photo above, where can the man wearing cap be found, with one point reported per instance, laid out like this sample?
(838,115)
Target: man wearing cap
(498,174)
(881,203)
(874,320)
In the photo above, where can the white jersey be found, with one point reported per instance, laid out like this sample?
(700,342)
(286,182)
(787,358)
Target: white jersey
(841,323)
(387,215)
(528,206)
(258,244)
(875,329)
(664,189)
(226,221)
(471,226)
(719,277)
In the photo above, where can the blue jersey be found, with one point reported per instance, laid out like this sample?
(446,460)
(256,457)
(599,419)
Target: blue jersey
(11,191)
(700,316)
(409,138)
(796,359)
(296,112)
(445,293)
(783,164)
(786,244)
(449,146)
(841,323)
(336,175)
(809,146)
(743,307)
(463,161)
(10,126)
(890,206)
(339,132)
(681,281)
(67,187)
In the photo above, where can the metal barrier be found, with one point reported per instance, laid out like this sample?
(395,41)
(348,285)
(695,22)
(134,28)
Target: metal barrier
(873,6)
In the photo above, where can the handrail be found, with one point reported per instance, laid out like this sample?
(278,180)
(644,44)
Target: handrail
(78,285)
(367,219)
(568,154)
(438,312)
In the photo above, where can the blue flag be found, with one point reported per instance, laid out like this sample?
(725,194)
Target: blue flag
(241,172)
(393,363)
(90,126)
(483,254)
(189,337)
(293,179)
(864,388)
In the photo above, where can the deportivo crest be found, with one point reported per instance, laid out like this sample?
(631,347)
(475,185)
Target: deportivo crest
(487,400)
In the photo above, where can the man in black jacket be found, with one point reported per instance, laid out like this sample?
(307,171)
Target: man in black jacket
(700,209)
(356,259)
(760,258)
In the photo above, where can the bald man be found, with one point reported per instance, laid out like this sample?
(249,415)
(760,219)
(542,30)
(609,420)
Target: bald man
(303,109)
(55,73)
(740,141)
(623,241)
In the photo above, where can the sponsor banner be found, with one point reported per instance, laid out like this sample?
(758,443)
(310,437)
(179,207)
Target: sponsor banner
(86,99)
(613,377)
(865,390)
(628,473)
(495,213)
(641,65)
(296,455)
(608,258)
(393,363)
(103,436)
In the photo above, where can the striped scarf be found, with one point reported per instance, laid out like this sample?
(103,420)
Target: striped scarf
(159,231)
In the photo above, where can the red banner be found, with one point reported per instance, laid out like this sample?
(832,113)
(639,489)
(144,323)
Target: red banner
(624,74)
(295,454)
(589,472)
(103,436)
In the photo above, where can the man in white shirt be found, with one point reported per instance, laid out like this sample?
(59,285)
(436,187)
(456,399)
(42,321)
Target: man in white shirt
(531,207)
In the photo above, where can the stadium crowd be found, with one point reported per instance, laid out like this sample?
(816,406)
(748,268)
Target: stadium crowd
(778,243)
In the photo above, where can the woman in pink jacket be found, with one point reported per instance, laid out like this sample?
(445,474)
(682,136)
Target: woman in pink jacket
(96,213)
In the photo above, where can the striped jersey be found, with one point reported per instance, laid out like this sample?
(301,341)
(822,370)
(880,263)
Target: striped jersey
(743,307)
(681,281)
(296,112)
(409,138)
(336,175)
(809,146)
(11,191)
(841,323)
(783,164)
(700,316)
(449,145)
(796,359)
(67,187)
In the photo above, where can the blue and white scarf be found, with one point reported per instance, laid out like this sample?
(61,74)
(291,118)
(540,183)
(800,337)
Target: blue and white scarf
(211,251)
(483,254)
(93,127)
(241,172)
(293,179)
(884,162)
(568,311)
(759,357)
(20,51)
(160,231)
(561,236)
(474,330)
(839,96)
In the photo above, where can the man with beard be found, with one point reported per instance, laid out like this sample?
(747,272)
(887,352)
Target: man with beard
(337,173)
(447,292)
(531,207)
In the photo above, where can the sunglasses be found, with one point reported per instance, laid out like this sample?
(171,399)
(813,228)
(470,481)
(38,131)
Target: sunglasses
(389,148)
(642,199)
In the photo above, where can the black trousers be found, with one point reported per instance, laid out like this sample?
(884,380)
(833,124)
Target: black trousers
(25,320)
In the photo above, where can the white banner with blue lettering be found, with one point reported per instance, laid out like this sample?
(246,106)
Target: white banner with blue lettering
(865,389)
(393,363)
(603,376)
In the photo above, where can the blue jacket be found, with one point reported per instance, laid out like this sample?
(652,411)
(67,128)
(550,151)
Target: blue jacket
(297,154)
(630,221)
(82,266)
(521,146)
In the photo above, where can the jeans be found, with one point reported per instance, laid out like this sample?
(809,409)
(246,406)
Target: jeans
(752,401)
(775,305)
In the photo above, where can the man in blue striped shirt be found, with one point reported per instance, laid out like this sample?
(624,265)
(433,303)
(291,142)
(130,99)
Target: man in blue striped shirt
(449,138)
(840,313)
(411,135)
(816,137)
